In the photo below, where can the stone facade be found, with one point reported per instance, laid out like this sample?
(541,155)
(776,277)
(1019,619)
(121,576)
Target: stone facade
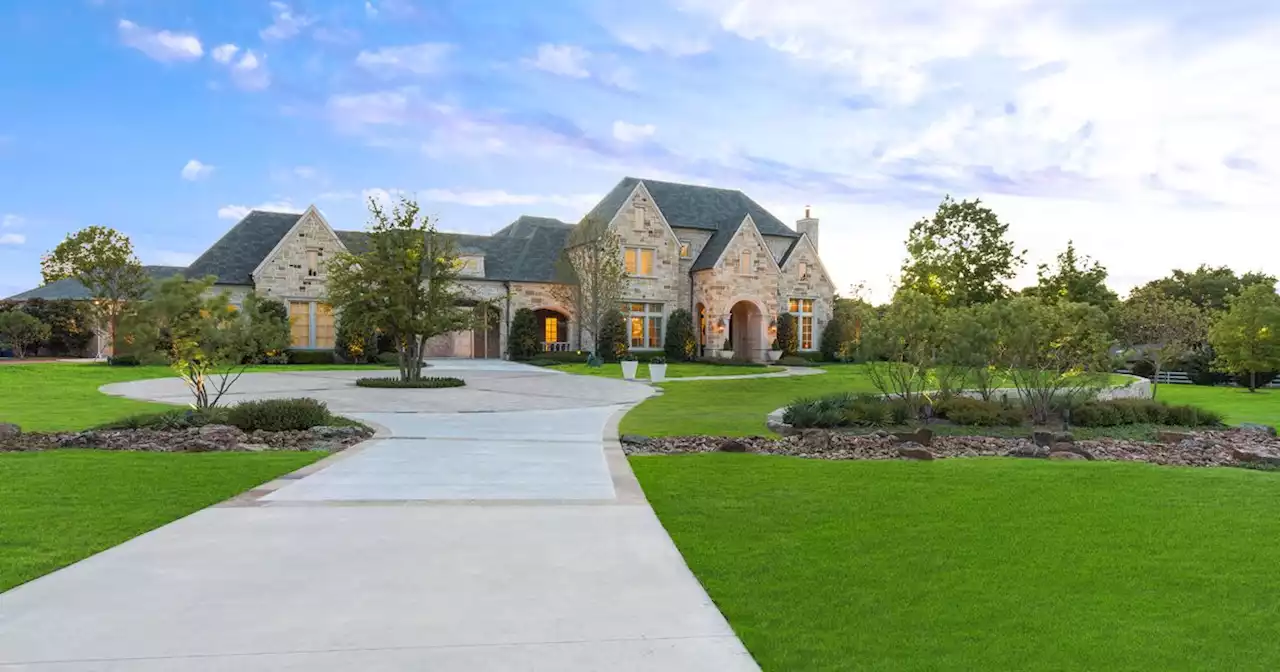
(738,301)
(294,271)
(641,225)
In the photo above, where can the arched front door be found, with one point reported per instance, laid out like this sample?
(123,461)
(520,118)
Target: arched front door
(486,337)
(554,327)
(746,331)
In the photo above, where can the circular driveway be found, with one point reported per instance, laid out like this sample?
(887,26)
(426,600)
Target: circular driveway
(492,386)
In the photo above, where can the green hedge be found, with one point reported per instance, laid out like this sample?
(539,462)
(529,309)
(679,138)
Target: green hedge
(1116,412)
(416,384)
(311,357)
(278,415)
(979,413)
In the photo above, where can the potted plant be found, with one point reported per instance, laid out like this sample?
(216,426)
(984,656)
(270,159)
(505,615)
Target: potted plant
(658,369)
(629,366)
(727,351)
(775,352)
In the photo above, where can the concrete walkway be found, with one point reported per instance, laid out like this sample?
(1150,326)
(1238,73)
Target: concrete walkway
(504,538)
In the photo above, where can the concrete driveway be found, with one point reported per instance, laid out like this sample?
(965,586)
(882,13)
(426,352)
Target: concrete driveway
(485,528)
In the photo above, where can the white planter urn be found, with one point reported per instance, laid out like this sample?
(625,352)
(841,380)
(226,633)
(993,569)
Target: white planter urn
(775,355)
(629,369)
(724,354)
(657,372)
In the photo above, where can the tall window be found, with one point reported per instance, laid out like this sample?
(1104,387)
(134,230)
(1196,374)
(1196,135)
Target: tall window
(313,262)
(639,260)
(804,270)
(551,330)
(803,310)
(744,262)
(686,249)
(324,326)
(311,325)
(300,324)
(645,322)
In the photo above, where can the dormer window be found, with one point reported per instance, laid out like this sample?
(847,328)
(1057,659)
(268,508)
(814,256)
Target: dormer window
(744,263)
(313,263)
(804,270)
(686,249)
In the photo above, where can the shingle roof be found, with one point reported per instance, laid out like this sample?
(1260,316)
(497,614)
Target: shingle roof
(692,206)
(72,289)
(232,259)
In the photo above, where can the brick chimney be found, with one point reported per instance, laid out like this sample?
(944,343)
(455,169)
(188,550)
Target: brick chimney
(808,226)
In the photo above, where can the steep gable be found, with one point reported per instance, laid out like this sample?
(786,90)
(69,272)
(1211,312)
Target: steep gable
(232,259)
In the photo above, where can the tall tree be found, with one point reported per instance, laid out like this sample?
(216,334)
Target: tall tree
(405,283)
(1162,327)
(1054,352)
(961,256)
(1074,277)
(1209,288)
(903,344)
(1246,338)
(21,332)
(102,260)
(592,278)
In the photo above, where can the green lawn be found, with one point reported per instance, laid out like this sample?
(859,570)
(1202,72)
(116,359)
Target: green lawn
(1236,404)
(674,370)
(60,506)
(980,564)
(64,396)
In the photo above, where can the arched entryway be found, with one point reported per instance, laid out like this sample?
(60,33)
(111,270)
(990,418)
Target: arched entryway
(746,331)
(486,333)
(553,325)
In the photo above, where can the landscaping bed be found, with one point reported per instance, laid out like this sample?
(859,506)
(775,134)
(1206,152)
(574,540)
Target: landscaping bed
(203,439)
(1201,448)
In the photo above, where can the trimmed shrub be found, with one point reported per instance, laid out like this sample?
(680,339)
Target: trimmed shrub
(542,361)
(123,360)
(421,383)
(354,345)
(278,415)
(1117,412)
(613,340)
(788,338)
(793,360)
(579,357)
(978,413)
(1192,416)
(168,420)
(68,320)
(311,357)
(681,344)
(524,341)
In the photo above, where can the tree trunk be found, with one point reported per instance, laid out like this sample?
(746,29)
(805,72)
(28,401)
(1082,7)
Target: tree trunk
(1155,379)
(1253,381)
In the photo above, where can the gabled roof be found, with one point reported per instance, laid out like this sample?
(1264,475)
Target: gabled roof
(72,289)
(232,259)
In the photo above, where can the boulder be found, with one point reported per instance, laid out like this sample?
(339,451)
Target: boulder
(1044,439)
(9,431)
(225,435)
(922,436)
(1066,447)
(914,451)
(199,446)
(1173,437)
(634,439)
(1255,427)
(1029,450)
(253,447)
(1064,437)
(732,446)
(813,440)
(1255,456)
(1065,455)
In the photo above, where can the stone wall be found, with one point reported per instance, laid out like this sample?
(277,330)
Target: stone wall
(639,224)
(697,240)
(718,289)
(284,275)
(815,284)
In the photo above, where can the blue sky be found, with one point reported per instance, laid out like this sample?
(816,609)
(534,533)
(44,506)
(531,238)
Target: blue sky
(1147,133)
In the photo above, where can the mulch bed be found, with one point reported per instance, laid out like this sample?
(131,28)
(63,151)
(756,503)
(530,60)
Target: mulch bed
(209,438)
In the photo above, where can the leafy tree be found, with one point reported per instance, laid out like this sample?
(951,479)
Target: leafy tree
(70,324)
(613,340)
(1054,353)
(904,345)
(592,278)
(1076,278)
(102,260)
(1247,337)
(681,343)
(203,338)
(966,350)
(405,283)
(787,335)
(1209,288)
(268,326)
(961,256)
(523,340)
(21,332)
(841,338)
(1164,328)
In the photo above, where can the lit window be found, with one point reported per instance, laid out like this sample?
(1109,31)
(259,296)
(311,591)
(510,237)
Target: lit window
(639,261)
(645,323)
(300,324)
(686,250)
(551,330)
(803,310)
(324,326)
(744,262)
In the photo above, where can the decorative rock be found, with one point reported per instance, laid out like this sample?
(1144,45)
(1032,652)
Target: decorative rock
(1255,456)
(816,440)
(732,446)
(634,439)
(1044,439)
(1255,427)
(1064,437)
(253,447)
(1065,455)
(912,451)
(1065,447)
(922,436)
(8,431)
(200,446)
(1029,450)
(1173,437)
(880,433)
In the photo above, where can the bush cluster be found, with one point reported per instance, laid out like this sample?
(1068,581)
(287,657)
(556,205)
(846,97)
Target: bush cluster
(795,360)
(167,420)
(717,361)
(311,357)
(848,410)
(440,381)
(278,415)
(979,413)
(1115,412)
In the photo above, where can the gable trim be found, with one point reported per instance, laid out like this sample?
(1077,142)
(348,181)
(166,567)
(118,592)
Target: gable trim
(311,211)
(791,254)
(759,239)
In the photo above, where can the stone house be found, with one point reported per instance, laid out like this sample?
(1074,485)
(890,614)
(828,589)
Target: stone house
(715,252)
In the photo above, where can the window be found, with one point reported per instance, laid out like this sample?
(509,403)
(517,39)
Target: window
(803,310)
(744,262)
(686,249)
(645,324)
(313,263)
(551,330)
(639,261)
(804,270)
(324,326)
(300,324)
(311,325)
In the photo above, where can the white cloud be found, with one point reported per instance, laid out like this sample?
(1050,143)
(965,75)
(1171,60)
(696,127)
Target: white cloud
(661,39)
(626,132)
(12,239)
(384,197)
(11,221)
(306,172)
(250,72)
(417,59)
(160,45)
(285,24)
(376,108)
(566,60)
(194,171)
(238,212)
(224,53)
(493,197)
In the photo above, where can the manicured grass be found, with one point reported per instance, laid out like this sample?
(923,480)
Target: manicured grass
(60,506)
(1236,404)
(63,396)
(980,564)
(674,370)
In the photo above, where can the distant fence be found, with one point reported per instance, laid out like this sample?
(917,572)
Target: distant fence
(1181,378)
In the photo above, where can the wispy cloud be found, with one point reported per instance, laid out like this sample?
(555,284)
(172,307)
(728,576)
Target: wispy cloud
(285,24)
(11,221)
(12,239)
(195,171)
(483,198)
(566,60)
(224,53)
(628,132)
(417,59)
(250,72)
(238,212)
(160,45)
